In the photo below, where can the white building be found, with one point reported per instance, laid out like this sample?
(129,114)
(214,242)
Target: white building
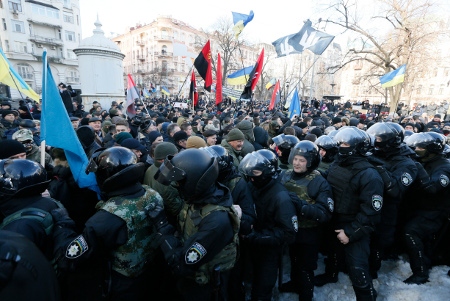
(28,27)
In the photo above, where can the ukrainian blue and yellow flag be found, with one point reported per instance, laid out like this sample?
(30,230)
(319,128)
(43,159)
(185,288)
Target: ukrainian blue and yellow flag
(270,84)
(11,78)
(239,21)
(165,91)
(394,77)
(239,77)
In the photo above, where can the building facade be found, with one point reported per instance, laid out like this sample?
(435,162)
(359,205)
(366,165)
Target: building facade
(29,27)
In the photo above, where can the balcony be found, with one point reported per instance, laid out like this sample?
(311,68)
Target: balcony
(163,38)
(140,57)
(46,40)
(51,59)
(27,76)
(140,43)
(44,23)
(72,79)
(163,53)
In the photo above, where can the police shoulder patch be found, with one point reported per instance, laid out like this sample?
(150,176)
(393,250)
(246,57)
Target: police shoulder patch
(330,204)
(195,253)
(77,247)
(294,220)
(377,202)
(406,179)
(443,180)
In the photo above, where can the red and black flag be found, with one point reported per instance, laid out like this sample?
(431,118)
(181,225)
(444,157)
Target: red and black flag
(193,94)
(275,96)
(254,77)
(203,65)
(218,80)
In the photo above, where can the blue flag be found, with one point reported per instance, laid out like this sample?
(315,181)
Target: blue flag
(394,77)
(239,21)
(294,108)
(307,38)
(57,130)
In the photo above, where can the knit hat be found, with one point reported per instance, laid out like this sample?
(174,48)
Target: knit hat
(122,136)
(235,134)
(336,120)
(160,120)
(317,132)
(163,149)
(245,125)
(7,112)
(302,125)
(209,133)
(10,148)
(153,135)
(105,125)
(113,112)
(180,135)
(210,127)
(132,143)
(195,142)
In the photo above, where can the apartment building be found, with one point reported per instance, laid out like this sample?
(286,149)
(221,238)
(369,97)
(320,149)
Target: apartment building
(28,27)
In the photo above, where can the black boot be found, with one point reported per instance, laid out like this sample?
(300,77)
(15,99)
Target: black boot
(417,278)
(365,294)
(289,287)
(417,260)
(331,272)
(306,286)
(374,263)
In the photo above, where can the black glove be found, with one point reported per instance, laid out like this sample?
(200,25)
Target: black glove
(61,218)
(157,216)
(168,247)
(422,174)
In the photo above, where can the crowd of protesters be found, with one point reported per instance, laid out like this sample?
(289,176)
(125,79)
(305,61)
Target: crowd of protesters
(370,184)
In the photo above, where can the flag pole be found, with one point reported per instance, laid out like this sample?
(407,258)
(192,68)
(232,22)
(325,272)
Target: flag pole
(189,73)
(21,96)
(44,76)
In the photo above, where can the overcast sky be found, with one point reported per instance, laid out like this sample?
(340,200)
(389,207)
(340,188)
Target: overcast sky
(273,19)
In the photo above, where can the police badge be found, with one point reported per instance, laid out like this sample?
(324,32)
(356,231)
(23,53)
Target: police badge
(295,223)
(77,247)
(194,253)
(330,204)
(443,180)
(377,202)
(406,179)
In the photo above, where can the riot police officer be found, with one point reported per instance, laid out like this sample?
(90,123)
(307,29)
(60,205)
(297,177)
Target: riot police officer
(118,238)
(327,150)
(284,144)
(316,208)
(243,202)
(208,225)
(358,196)
(23,209)
(398,172)
(276,222)
(431,200)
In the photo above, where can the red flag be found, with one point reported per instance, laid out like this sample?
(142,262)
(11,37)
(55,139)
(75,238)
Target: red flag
(131,96)
(203,65)
(275,96)
(218,80)
(254,77)
(193,94)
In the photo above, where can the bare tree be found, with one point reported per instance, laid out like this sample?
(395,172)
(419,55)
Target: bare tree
(412,30)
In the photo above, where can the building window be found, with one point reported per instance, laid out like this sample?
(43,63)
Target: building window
(18,26)
(20,47)
(25,71)
(45,11)
(67,3)
(419,90)
(15,5)
(430,91)
(78,20)
(7,45)
(71,54)
(68,18)
(70,36)
(4,24)
(441,89)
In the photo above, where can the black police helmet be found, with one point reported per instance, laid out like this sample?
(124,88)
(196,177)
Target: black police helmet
(327,143)
(308,150)
(21,177)
(117,167)
(390,133)
(194,170)
(224,159)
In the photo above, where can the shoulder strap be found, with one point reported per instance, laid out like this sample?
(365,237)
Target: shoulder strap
(42,216)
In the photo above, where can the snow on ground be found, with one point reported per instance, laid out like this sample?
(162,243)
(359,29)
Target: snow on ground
(389,285)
